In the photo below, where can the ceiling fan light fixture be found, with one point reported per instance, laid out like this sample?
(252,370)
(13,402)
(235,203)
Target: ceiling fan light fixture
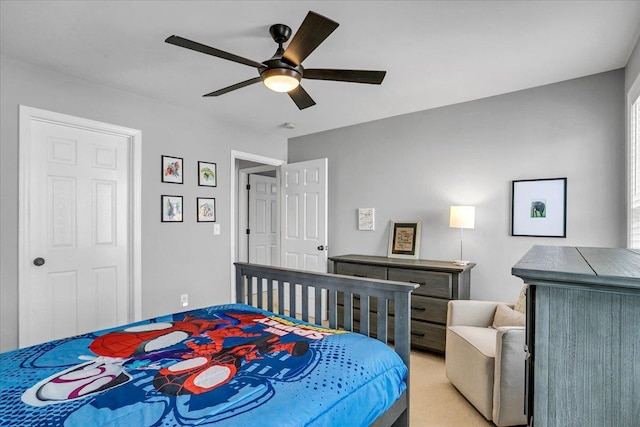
(281,79)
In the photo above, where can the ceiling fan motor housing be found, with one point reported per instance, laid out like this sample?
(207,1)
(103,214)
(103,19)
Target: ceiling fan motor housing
(280,33)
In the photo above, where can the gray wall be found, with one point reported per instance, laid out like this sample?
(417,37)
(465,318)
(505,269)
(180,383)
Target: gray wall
(632,70)
(176,258)
(413,167)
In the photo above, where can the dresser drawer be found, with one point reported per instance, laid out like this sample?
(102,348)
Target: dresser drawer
(361,270)
(425,335)
(429,309)
(422,308)
(428,336)
(432,283)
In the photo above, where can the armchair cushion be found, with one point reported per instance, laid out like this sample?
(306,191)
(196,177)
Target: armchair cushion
(521,303)
(506,316)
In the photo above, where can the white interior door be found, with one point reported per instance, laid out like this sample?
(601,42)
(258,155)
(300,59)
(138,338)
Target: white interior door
(76,269)
(304,215)
(264,225)
(304,219)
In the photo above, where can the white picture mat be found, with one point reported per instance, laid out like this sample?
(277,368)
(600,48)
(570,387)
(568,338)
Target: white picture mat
(552,192)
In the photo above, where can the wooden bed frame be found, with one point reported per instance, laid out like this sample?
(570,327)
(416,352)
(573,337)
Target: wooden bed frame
(278,280)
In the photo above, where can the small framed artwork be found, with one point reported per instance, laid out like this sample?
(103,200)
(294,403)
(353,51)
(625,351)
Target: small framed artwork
(172,169)
(404,239)
(207,174)
(206,209)
(171,208)
(539,207)
(366,219)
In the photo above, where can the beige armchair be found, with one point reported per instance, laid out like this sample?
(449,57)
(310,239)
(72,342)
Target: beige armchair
(486,365)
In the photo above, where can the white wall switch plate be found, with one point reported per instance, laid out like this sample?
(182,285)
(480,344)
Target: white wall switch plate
(216,229)
(184,300)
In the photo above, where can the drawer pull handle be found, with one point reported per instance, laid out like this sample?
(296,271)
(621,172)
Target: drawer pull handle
(417,334)
(419,308)
(418,283)
(359,275)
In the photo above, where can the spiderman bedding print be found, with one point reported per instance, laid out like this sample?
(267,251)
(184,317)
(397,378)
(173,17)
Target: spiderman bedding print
(230,365)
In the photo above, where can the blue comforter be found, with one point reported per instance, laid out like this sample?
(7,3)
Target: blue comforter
(229,365)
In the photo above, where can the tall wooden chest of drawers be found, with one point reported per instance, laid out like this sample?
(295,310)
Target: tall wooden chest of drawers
(583,336)
(440,281)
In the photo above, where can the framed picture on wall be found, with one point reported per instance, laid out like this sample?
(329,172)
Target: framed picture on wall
(172,169)
(171,208)
(207,174)
(539,207)
(206,209)
(404,239)
(366,219)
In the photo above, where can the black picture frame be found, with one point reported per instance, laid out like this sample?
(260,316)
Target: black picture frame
(171,208)
(539,207)
(207,174)
(206,209)
(404,239)
(172,169)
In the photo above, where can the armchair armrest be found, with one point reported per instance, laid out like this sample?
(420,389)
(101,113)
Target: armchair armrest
(508,401)
(472,312)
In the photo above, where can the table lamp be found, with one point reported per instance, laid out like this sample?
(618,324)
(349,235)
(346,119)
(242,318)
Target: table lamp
(462,217)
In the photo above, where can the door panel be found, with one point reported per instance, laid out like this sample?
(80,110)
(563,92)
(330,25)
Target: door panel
(304,218)
(78,222)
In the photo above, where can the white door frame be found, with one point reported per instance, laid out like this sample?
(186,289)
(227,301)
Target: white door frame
(234,198)
(134,136)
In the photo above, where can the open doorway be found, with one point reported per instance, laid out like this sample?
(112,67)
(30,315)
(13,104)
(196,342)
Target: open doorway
(242,166)
(298,211)
(287,200)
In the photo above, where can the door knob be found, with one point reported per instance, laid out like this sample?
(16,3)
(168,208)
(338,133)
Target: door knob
(38,262)
(321,248)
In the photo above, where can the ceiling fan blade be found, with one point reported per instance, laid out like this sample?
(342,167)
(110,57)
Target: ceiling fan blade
(301,98)
(198,47)
(235,86)
(353,76)
(313,31)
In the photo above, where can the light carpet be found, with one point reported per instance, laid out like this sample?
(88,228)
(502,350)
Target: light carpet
(434,400)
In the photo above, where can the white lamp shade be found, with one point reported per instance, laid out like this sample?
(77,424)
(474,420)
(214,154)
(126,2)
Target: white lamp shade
(462,216)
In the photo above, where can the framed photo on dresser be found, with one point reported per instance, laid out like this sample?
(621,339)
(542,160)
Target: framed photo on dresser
(404,239)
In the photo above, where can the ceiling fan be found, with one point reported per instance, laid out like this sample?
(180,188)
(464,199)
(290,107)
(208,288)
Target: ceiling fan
(284,70)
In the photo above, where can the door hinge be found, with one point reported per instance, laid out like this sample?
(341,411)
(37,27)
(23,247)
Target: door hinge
(248,186)
(248,231)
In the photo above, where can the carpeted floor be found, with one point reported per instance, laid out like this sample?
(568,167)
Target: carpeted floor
(434,401)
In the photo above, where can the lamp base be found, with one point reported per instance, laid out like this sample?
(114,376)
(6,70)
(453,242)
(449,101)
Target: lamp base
(461,262)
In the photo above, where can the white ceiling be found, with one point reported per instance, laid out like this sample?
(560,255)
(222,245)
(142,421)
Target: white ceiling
(435,52)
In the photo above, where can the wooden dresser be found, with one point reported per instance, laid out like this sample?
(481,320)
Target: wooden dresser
(440,281)
(583,336)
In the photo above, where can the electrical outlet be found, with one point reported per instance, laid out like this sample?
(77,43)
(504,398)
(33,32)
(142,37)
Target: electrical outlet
(184,300)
